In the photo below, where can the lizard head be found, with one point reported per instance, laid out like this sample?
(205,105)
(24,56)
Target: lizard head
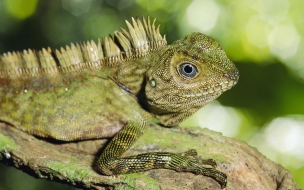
(190,73)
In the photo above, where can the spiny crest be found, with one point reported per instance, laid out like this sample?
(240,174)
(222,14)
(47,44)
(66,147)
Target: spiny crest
(141,39)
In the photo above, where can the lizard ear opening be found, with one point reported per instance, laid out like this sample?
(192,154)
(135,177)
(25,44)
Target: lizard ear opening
(153,83)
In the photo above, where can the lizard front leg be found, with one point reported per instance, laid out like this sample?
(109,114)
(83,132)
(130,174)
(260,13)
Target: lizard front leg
(110,162)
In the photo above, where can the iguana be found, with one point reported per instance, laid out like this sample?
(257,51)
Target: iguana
(114,88)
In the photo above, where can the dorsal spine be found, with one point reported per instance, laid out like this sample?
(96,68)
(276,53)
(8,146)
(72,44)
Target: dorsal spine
(142,38)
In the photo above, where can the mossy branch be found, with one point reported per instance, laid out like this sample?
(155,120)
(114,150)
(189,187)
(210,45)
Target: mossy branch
(72,163)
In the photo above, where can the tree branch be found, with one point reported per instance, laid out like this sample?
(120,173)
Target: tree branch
(72,163)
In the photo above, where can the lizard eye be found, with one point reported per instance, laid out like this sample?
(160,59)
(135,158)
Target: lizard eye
(188,70)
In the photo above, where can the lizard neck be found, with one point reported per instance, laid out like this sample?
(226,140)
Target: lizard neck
(132,73)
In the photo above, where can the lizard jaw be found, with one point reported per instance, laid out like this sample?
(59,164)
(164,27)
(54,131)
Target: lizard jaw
(220,87)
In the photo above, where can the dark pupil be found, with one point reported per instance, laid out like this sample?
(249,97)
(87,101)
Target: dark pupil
(188,69)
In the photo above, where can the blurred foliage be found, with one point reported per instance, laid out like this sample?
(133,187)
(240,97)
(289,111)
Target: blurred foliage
(13,179)
(263,38)
(21,9)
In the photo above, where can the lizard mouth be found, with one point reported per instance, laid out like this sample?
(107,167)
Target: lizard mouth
(221,87)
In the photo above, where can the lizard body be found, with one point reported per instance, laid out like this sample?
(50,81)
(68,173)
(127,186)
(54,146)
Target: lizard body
(114,88)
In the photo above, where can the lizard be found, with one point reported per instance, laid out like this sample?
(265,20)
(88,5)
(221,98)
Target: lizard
(113,89)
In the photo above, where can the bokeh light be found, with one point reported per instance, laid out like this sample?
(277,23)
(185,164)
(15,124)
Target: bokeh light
(76,7)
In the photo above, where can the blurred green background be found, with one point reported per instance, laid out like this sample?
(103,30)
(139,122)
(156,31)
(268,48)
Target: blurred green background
(263,37)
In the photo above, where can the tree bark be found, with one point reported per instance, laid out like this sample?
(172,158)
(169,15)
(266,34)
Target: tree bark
(73,162)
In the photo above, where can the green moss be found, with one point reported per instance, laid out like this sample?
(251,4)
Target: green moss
(71,171)
(166,140)
(136,181)
(7,143)
(183,142)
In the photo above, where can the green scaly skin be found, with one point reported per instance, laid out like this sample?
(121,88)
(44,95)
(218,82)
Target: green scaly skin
(169,82)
